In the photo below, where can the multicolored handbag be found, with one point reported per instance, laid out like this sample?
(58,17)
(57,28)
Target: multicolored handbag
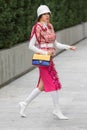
(41,60)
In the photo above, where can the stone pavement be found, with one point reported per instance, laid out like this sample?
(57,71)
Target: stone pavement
(72,69)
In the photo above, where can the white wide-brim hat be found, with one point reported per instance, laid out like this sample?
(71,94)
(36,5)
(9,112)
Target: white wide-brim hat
(42,9)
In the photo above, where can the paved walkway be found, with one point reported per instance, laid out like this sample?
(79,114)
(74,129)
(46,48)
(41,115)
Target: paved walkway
(72,68)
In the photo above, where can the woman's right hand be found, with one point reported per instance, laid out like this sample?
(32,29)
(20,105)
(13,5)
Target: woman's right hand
(51,52)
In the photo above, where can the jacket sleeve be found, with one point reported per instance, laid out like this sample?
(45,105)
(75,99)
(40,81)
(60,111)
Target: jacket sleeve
(61,46)
(34,48)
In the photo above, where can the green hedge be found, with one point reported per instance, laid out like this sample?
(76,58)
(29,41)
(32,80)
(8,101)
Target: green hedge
(17,17)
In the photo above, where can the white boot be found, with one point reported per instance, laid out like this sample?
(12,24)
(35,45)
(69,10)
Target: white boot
(25,103)
(22,106)
(57,112)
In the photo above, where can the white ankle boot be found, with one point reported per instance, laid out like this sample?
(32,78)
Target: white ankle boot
(22,106)
(57,112)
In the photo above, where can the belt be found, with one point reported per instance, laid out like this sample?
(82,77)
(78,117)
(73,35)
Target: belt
(47,45)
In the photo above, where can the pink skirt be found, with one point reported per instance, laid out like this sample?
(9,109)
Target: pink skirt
(49,77)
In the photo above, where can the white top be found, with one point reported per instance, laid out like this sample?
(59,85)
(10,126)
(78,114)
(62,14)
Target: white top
(38,50)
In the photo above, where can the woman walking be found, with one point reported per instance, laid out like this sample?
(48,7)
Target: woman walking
(43,41)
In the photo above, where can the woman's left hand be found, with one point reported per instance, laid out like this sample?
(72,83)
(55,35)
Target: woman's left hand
(72,48)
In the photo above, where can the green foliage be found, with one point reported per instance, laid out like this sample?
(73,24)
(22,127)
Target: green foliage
(17,17)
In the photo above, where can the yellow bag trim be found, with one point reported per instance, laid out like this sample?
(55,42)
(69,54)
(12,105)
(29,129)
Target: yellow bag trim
(41,57)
